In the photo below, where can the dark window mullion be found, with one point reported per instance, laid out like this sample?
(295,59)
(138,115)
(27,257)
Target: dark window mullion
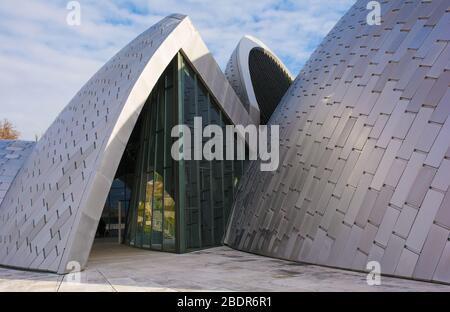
(155,159)
(223,124)
(211,178)
(197,163)
(181,188)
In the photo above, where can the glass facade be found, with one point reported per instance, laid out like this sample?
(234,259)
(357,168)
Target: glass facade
(112,220)
(151,220)
(178,206)
(208,187)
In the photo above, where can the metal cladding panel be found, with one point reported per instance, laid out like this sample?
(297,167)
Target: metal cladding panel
(372,105)
(13,155)
(50,214)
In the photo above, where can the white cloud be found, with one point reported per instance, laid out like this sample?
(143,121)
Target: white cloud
(44,62)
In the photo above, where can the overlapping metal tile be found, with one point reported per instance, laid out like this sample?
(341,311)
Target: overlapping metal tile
(365,138)
(50,214)
(13,154)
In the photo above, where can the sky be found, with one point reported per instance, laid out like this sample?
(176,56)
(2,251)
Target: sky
(44,61)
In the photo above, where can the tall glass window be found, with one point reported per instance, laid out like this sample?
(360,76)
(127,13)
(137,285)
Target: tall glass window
(178,206)
(151,221)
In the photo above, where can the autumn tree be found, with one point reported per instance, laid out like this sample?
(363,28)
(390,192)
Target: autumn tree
(8,131)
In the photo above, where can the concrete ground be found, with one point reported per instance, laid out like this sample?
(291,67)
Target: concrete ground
(115,267)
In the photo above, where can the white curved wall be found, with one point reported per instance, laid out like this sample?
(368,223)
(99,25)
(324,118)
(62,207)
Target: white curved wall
(238,72)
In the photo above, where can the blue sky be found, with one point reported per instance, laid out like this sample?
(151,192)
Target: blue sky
(44,61)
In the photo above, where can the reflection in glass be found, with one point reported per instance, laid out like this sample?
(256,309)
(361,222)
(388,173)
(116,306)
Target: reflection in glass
(178,206)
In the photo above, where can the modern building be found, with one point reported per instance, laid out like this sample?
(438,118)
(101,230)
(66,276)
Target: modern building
(105,168)
(364,169)
(364,152)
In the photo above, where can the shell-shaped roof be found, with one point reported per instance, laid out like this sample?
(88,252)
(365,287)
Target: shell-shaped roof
(365,151)
(50,214)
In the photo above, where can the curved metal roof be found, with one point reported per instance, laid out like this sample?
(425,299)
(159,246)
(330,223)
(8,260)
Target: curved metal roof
(51,212)
(258,76)
(365,151)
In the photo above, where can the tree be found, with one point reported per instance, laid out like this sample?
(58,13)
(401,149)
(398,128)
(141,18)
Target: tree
(8,131)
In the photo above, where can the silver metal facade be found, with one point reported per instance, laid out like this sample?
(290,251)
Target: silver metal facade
(238,73)
(50,214)
(13,154)
(365,151)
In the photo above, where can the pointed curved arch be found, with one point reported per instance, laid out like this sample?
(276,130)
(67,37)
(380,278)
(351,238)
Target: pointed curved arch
(254,69)
(51,212)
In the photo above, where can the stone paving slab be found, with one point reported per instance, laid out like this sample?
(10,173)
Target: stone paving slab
(120,268)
